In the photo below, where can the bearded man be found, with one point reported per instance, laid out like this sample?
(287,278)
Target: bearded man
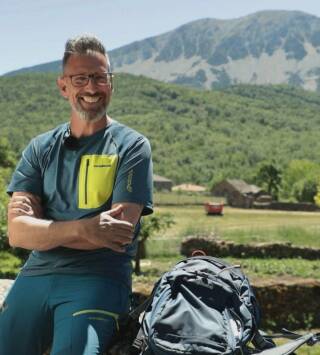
(77,196)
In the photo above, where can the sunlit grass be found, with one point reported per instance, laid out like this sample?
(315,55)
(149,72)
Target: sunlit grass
(245,226)
(182,199)
(253,267)
(305,349)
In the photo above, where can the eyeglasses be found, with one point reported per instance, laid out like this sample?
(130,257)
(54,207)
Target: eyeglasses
(80,80)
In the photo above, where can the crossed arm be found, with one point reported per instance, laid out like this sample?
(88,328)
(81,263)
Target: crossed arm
(29,230)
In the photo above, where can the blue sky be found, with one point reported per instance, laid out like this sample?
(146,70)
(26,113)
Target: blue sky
(35,31)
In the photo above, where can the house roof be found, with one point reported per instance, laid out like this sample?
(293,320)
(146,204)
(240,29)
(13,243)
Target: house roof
(243,187)
(160,178)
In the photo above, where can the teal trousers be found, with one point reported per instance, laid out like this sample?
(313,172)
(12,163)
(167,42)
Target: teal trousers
(74,314)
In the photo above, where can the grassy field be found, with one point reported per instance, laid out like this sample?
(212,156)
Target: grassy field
(245,225)
(256,269)
(241,226)
(305,349)
(183,198)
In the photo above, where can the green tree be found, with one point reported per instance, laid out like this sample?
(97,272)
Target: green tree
(7,157)
(300,180)
(3,212)
(149,226)
(305,190)
(317,196)
(7,162)
(269,177)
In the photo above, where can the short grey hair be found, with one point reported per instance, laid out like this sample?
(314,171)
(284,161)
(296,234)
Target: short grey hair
(83,45)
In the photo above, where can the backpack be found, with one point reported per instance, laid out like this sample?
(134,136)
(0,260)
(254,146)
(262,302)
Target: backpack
(205,306)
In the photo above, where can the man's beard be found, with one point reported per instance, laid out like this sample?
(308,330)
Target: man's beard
(90,116)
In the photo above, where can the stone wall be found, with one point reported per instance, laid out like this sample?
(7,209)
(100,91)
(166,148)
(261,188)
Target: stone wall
(221,248)
(292,305)
(288,206)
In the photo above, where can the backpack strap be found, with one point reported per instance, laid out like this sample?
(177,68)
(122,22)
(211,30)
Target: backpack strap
(139,344)
(262,342)
(289,348)
(135,313)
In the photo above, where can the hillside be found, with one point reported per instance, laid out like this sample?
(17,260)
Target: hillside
(196,135)
(268,47)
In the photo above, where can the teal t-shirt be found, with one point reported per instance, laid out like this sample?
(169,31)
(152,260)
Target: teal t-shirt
(113,165)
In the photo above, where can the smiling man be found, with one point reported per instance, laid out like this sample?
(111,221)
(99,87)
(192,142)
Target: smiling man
(77,196)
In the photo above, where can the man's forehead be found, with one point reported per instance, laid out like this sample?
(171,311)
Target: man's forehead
(87,61)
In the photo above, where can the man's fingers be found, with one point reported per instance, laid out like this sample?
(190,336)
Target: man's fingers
(22,202)
(123,234)
(117,247)
(27,198)
(116,223)
(116,236)
(123,239)
(20,205)
(107,231)
(22,198)
(19,212)
(115,211)
(31,201)
(122,224)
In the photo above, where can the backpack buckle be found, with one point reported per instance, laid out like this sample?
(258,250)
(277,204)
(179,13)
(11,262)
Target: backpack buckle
(139,344)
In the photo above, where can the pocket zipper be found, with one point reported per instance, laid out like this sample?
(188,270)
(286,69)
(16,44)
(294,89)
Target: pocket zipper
(86,183)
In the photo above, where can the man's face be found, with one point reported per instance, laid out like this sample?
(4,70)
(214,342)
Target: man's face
(88,102)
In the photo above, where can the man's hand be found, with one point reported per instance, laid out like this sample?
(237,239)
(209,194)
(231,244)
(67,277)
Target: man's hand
(27,229)
(108,230)
(24,205)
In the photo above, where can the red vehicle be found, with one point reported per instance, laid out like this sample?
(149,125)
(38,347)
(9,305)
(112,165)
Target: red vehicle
(214,208)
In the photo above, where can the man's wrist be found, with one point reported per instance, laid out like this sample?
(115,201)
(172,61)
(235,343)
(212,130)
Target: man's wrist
(79,228)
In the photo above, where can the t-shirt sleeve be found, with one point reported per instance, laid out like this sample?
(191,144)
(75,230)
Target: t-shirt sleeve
(27,176)
(134,177)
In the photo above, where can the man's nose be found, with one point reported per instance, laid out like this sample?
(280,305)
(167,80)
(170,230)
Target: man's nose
(91,86)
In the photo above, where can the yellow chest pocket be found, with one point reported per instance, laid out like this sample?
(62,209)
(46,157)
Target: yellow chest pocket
(96,179)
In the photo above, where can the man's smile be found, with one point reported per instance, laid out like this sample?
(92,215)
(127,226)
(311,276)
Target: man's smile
(90,99)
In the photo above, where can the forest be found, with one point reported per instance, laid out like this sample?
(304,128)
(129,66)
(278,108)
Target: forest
(197,136)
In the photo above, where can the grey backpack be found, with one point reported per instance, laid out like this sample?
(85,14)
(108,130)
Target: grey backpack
(205,306)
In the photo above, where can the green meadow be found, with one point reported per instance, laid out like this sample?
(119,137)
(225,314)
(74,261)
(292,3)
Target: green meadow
(238,225)
(249,226)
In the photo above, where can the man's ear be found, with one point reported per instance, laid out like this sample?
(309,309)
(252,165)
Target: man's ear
(62,87)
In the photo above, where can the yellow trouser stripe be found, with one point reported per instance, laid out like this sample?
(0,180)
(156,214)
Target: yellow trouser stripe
(115,316)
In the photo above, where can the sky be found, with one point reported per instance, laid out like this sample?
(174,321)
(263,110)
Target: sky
(35,31)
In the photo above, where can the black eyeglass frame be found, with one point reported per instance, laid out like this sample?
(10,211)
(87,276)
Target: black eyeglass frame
(92,76)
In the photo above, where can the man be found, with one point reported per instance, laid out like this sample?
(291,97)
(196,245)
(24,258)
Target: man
(77,195)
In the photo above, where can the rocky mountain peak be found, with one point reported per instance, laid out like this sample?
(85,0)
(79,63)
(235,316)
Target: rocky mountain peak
(267,47)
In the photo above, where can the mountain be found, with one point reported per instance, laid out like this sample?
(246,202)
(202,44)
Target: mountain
(50,67)
(269,47)
(196,135)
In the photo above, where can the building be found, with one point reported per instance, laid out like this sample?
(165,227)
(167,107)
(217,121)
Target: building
(239,194)
(161,183)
